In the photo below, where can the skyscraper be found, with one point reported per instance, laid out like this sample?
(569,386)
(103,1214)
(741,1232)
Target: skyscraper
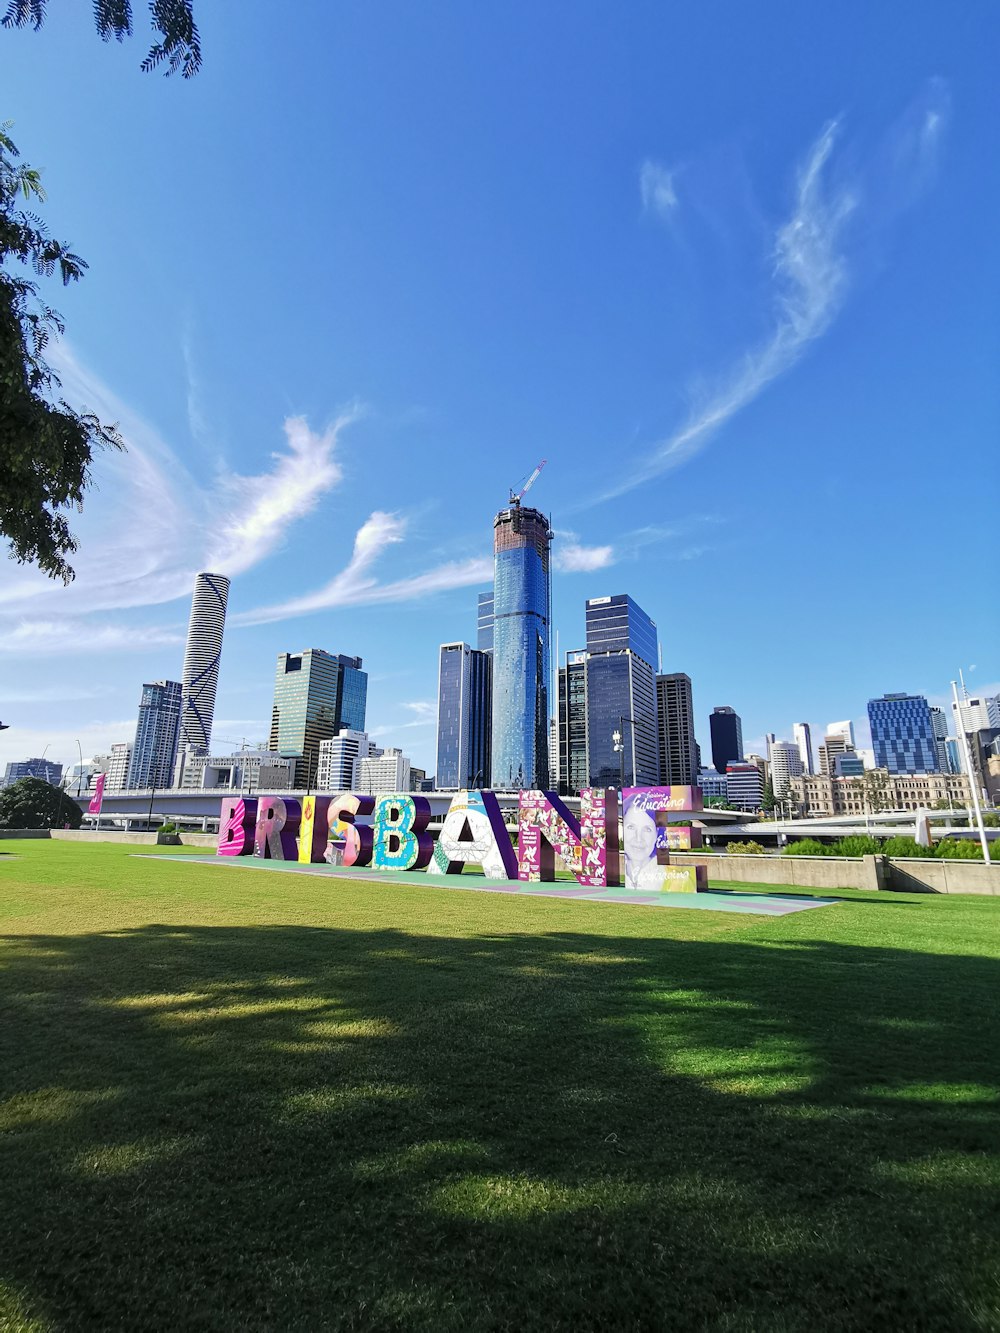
(726,731)
(675,719)
(786,762)
(621,693)
(200,677)
(522,614)
(573,769)
(484,626)
(903,734)
(802,735)
(316,694)
(465,680)
(32,768)
(155,744)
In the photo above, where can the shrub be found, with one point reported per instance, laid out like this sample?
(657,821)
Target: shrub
(959,849)
(856,844)
(750,848)
(903,845)
(168,827)
(806,847)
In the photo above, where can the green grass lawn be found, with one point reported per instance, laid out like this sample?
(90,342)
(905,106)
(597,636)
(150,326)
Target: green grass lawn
(232,1100)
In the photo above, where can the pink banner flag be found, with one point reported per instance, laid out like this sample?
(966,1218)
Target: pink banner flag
(95,801)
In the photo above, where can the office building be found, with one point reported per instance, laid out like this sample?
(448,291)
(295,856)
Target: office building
(118,767)
(316,695)
(977,714)
(903,734)
(383,773)
(246,771)
(419,780)
(484,622)
(155,746)
(744,786)
(44,769)
(939,726)
(726,730)
(675,722)
(200,675)
(786,762)
(337,757)
(848,765)
(522,614)
(464,717)
(802,735)
(843,730)
(621,694)
(713,785)
(573,770)
(832,748)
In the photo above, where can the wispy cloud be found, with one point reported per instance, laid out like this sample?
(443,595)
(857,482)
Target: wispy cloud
(656,188)
(569,556)
(261,508)
(355,585)
(811,277)
(82,637)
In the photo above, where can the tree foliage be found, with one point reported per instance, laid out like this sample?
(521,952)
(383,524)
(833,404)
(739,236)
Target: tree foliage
(46,448)
(904,845)
(749,848)
(32,803)
(178,47)
(856,844)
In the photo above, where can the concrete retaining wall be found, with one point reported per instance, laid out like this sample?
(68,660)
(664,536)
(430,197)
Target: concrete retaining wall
(930,876)
(807,872)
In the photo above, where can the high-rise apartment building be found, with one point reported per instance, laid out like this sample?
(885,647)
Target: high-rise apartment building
(979,714)
(155,746)
(621,693)
(845,730)
(939,726)
(465,700)
(573,768)
(316,694)
(726,730)
(337,757)
(675,720)
(44,769)
(786,762)
(200,676)
(522,614)
(802,735)
(903,734)
(118,767)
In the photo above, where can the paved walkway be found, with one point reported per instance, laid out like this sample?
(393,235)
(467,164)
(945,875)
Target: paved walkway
(714,900)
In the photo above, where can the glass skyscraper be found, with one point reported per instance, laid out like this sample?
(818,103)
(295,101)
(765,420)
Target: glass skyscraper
(621,693)
(573,771)
(465,681)
(316,695)
(522,614)
(484,640)
(726,731)
(155,745)
(903,734)
(675,717)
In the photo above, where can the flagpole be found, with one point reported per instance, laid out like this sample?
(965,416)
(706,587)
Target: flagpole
(972,776)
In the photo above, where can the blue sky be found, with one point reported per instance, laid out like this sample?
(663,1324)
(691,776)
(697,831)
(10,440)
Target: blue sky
(731,269)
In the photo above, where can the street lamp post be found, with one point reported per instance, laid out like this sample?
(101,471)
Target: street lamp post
(618,737)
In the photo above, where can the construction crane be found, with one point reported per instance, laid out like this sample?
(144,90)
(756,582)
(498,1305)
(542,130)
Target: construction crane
(518,496)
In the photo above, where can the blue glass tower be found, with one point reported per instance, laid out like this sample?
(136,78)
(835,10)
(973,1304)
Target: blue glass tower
(903,734)
(484,641)
(155,745)
(621,693)
(522,614)
(463,720)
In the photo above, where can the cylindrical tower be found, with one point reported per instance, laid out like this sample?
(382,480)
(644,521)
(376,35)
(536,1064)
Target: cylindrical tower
(522,614)
(201,661)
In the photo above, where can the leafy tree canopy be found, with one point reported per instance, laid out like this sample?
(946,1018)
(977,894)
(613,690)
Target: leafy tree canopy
(46,448)
(806,847)
(32,803)
(179,47)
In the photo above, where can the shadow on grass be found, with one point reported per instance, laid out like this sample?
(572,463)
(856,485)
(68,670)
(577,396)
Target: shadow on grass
(283,1127)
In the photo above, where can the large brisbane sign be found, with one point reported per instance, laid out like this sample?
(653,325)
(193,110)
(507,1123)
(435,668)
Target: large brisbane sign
(620,839)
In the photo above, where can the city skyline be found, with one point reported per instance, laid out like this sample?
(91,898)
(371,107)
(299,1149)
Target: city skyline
(608,271)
